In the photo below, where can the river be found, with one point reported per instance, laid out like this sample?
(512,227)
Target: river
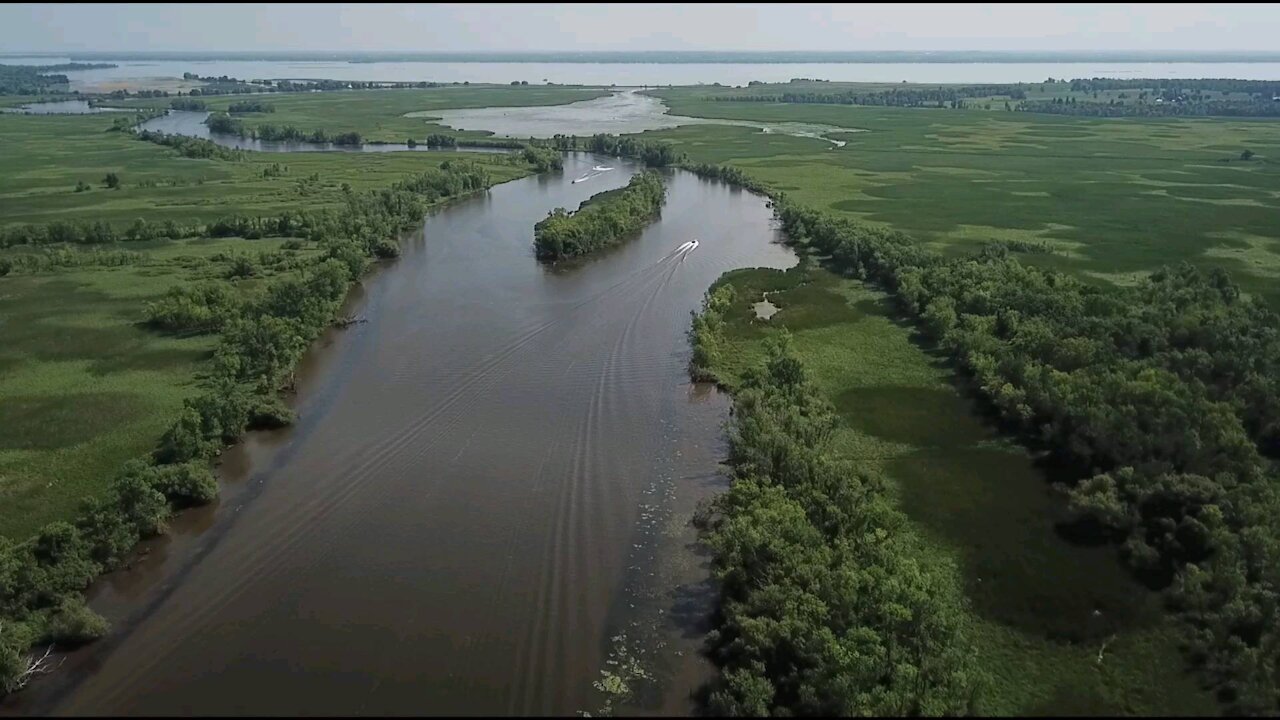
(489,483)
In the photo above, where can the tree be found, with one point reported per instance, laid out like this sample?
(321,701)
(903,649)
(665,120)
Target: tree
(112,181)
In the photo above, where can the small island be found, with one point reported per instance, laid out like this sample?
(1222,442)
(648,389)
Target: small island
(600,222)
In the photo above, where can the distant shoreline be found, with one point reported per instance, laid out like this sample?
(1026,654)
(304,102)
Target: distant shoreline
(692,57)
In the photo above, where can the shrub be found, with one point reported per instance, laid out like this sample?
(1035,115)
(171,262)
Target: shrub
(73,623)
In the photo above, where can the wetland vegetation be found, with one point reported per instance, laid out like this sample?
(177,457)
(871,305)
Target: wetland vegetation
(1020,345)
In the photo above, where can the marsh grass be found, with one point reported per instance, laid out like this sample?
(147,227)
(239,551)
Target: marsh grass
(1124,195)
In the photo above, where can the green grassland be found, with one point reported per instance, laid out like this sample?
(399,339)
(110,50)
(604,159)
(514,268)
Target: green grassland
(1111,198)
(379,115)
(84,385)
(1041,611)
(45,156)
(1033,92)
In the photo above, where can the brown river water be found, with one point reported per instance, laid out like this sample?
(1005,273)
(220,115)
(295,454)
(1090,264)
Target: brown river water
(489,482)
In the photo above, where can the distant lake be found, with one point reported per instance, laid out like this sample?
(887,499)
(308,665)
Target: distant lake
(137,74)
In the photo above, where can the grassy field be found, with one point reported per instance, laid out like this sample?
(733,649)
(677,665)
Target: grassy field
(83,385)
(1042,611)
(1033,92)
(379,114)
(1112,198)
(44,158)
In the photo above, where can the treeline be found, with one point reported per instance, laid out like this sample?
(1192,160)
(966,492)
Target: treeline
(224,124)
(1181,86)
(653,153)
(125,93)
(192,147)
(1185,107)
(1163,397)
(603,220)
(31,80)
(250,106)
(823,610)
(452,179)
(1156,97)
(910,96)
(50,258)
(290,133)
(263,334)
(446,141)
(226,85)
(188,104)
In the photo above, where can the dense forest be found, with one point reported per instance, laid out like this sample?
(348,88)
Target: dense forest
(823,610)
(263,333)
(603,220)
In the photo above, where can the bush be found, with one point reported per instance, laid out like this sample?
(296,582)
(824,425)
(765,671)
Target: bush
(187,484)
(206,307)
(241,267)
(270,413)
(386,249)
(73,623)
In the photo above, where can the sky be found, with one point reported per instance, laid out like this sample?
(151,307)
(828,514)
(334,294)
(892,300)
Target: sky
(52,27)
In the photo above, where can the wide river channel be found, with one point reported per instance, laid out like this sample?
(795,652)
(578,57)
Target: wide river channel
(484,501)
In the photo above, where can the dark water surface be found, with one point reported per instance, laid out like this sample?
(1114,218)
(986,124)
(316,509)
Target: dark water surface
(485,487)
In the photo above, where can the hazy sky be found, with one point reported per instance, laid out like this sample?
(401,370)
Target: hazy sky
(447,27)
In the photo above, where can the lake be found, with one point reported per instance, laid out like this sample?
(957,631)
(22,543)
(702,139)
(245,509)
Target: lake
(167,74)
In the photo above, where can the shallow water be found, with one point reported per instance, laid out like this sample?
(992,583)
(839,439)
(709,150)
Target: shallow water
(486,485)
(621,113)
